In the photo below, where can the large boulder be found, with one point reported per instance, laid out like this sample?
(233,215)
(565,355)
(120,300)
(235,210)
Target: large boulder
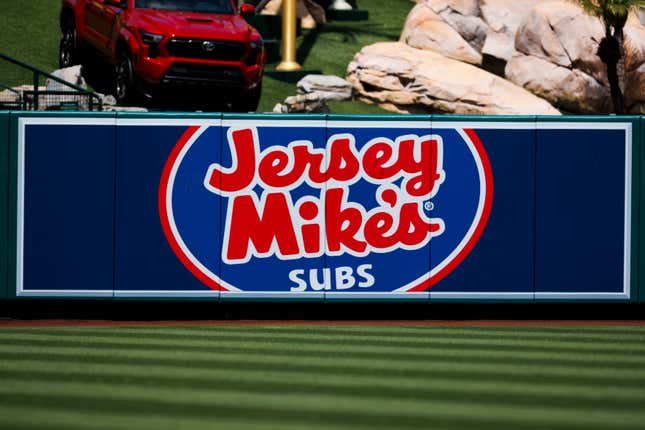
(73,76)
(556,58)
(563,34)
(328,87)
(503,18)
(568,89)
(403,79)
(451,28)
(474,31)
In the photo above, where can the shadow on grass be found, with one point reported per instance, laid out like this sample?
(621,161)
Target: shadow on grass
(348,33)
(308,42)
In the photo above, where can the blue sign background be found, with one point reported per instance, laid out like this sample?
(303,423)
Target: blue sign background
(144,261)
(503,257)
(91,217)
(69,208)
(580,202)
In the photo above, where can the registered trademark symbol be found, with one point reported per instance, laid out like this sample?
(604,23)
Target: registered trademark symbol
(428,206)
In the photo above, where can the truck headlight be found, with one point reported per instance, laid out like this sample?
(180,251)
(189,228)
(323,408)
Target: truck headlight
(150,38)
(256,48)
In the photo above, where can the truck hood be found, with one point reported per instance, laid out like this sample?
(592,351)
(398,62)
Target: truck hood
(193,25)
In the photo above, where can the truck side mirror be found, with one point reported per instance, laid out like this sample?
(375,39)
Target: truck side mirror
(247,9)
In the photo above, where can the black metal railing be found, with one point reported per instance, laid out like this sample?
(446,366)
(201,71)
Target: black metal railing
(14,101)
(22,89)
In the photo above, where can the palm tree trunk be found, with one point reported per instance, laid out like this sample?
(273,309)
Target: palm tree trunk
(609,53)
(614,88)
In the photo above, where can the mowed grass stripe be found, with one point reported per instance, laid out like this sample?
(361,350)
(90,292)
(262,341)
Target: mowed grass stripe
(377,328)
(573,341)
(534,377)
(330,364)
(19,417)
(396,329)
(415,333)
(356,350)
(188,341)
(367,382)
(634,346)
(446,326)
(388,413)
(492,391)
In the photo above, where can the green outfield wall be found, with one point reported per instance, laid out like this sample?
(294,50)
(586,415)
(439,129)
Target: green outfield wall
(322,208)
(4,201)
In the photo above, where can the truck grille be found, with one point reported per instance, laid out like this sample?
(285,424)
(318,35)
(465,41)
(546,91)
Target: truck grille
(206,49)
(203,74)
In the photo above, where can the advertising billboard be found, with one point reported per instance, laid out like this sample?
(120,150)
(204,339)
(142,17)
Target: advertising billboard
(421,208)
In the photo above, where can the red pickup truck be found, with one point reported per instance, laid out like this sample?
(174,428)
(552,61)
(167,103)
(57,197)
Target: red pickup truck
(199,47)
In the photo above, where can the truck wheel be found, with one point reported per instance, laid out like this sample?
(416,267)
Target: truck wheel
(67,50)
(249,101)
(124,80)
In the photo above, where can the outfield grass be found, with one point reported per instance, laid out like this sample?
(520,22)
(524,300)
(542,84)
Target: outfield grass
(322,377)
(30,33)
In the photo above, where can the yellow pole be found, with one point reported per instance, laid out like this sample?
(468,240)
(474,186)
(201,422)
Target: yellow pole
(289,63)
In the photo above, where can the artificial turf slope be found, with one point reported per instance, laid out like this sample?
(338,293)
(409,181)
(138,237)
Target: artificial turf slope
(322,377)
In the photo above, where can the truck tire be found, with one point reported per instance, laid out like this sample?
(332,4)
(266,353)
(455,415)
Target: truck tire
(124,80)
(249,101)
(68,47)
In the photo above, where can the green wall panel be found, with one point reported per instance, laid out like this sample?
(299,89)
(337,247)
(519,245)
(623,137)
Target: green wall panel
(12,146)
(4,200)
(639,206)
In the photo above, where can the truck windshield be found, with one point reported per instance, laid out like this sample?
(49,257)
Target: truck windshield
(203,6)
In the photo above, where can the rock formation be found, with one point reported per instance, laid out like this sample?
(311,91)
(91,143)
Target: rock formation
(546,47)
(329,87)
(403,79)
(453,30)
(479,32)
(313,93)
(556,58)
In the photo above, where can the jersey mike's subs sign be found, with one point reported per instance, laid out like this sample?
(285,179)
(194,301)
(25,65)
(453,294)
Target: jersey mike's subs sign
(227,207)
(254,208)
